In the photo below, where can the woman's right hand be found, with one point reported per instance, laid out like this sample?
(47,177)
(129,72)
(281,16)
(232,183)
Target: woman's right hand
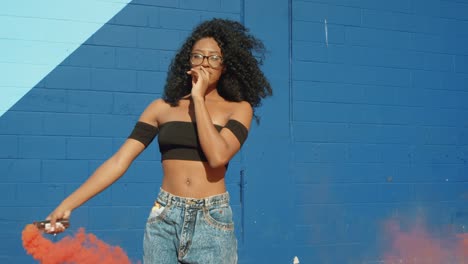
(57,214)
(200,81)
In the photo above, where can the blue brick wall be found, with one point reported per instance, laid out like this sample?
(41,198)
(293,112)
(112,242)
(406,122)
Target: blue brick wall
(379,103)
(367,122)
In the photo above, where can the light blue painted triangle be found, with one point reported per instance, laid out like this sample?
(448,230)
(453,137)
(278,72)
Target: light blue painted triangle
(36,36)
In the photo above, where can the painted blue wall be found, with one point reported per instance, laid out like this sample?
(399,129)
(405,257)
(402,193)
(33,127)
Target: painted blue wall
(368,120)
(379,122)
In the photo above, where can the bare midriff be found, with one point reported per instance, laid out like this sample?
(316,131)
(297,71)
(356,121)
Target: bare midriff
(194,179)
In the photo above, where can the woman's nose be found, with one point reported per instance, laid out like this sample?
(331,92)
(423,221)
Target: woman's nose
(205,62)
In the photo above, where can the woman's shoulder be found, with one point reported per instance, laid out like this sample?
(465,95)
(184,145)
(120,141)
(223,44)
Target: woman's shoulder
(242,106)
(153,111)
(158,104)
(241,111)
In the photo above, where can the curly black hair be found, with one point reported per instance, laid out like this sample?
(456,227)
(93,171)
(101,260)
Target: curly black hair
(242,54)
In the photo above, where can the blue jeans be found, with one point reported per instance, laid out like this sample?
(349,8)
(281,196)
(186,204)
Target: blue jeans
(189,230)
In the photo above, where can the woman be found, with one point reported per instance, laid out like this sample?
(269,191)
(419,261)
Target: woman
(213,85)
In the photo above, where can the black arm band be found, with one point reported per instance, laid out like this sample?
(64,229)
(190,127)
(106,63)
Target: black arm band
(238,129)
(144,132)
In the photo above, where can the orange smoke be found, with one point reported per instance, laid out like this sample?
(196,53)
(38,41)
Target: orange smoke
(81,249)
(418,246)
(463,246)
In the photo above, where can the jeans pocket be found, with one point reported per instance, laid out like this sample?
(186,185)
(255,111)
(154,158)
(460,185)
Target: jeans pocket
(219,217)
(158,212)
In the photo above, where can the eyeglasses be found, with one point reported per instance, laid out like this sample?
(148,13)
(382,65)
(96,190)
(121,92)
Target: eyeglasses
(213,60)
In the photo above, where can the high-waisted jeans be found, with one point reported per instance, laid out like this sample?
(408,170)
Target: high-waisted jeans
(189,230)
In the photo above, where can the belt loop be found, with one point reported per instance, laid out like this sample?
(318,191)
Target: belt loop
(169,199)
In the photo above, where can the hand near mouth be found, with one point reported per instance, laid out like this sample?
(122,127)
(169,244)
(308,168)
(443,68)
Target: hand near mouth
(200,81)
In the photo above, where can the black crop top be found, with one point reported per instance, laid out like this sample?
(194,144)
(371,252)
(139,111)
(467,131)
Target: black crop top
(179,139)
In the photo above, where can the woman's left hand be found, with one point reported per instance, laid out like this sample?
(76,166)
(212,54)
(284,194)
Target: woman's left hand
(200,81)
